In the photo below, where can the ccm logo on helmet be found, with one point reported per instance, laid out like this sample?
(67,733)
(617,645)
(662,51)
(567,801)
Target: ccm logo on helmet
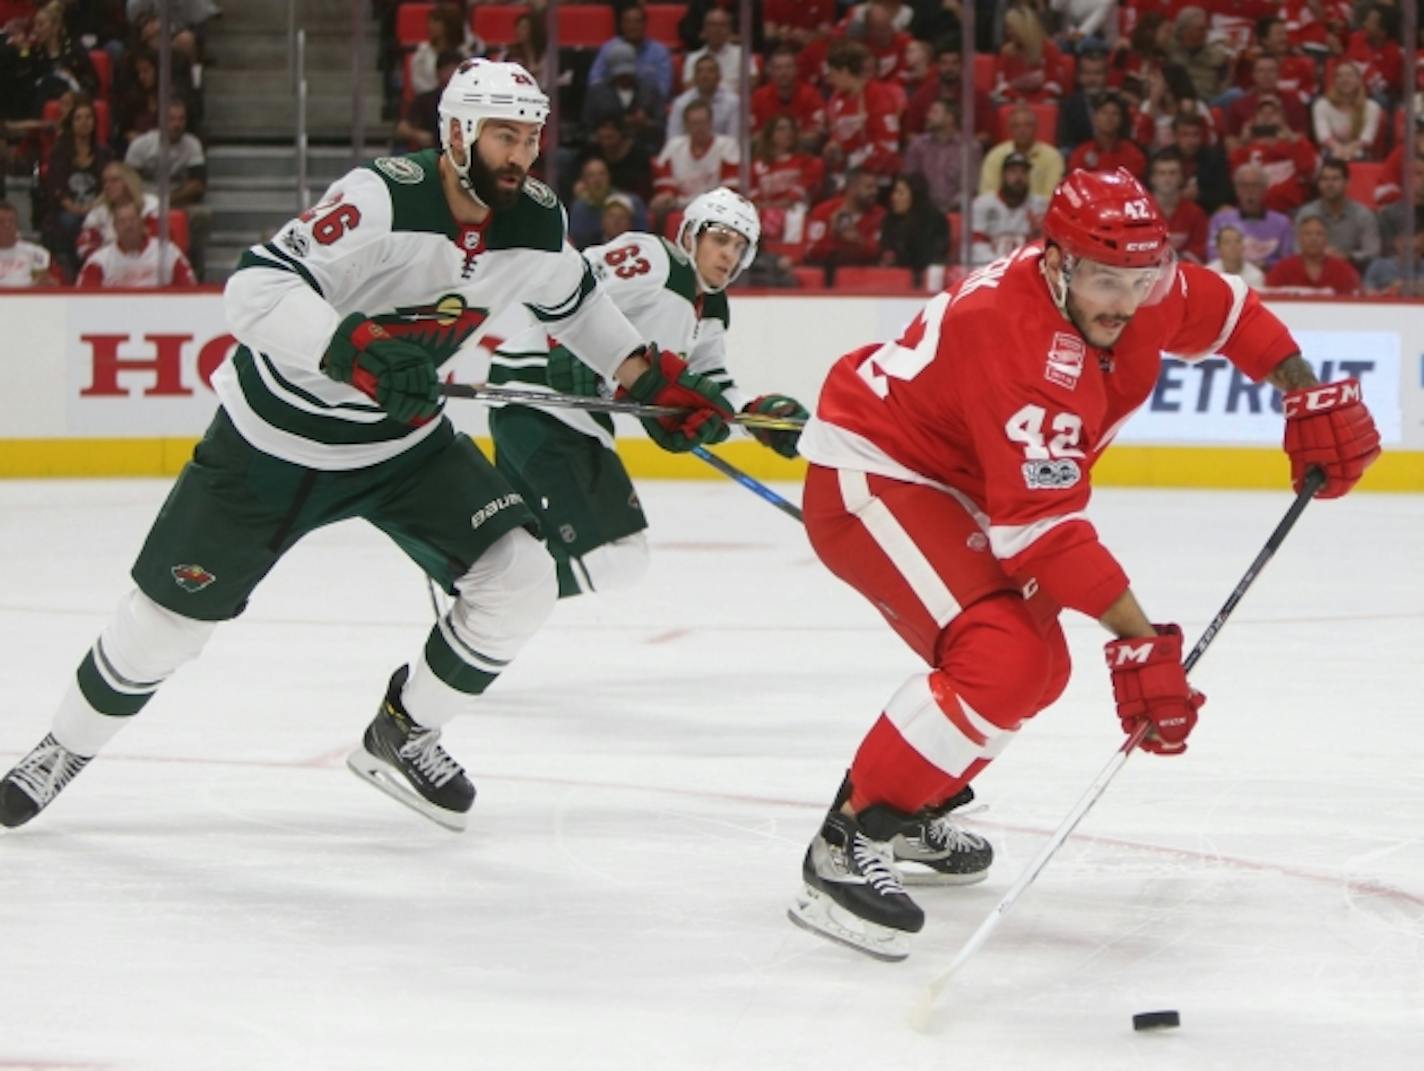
(1142,247)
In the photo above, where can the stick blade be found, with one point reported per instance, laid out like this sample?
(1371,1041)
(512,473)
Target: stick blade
(922,1015)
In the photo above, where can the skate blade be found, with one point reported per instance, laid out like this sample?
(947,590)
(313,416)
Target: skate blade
(375,772)
(819,914)
(920,874)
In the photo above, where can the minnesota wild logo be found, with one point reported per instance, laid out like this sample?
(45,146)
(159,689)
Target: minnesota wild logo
(442,326)
(192,578)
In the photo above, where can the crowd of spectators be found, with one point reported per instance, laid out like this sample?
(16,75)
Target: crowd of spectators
(81,136)
(1246,119)
(1271,132)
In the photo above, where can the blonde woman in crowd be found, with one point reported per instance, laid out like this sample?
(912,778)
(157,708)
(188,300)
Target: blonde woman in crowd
(1346,119)
(120,185)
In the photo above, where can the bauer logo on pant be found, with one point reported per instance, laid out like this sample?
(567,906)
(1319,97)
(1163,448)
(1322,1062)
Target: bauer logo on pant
(192,578)
(502,502)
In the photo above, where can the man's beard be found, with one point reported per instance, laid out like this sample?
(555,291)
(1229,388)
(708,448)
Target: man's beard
(486,185)
(1091,329)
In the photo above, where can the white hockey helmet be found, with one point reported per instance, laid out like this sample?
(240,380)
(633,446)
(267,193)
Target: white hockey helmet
(725,208)
(482,89)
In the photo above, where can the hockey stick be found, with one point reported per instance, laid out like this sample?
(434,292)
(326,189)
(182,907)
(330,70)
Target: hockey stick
(751,483)
(548,399)
(920,1015)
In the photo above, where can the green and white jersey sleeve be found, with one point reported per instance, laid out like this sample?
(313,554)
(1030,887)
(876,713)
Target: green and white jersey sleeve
(382,242)
(651,281)
(709,347)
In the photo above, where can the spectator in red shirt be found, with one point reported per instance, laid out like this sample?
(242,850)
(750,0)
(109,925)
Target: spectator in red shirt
(1391,179)
(1108,150)
(798,22)
(1375,47)
(863,116)
(1313,268)
(134,258)
(846,230)
(887,45)
(1296,76)
(1186,222)
(1318,26)
(1265,81)
(784,180)
(945,83)
(1170,93)
(786,94)
(1029,66)
(1288,159)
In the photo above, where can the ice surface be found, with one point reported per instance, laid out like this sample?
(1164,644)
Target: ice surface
(217,891)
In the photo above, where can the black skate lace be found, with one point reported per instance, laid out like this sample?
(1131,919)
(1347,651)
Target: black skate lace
(871,861)
(433,761)
(46,770)
(942,833)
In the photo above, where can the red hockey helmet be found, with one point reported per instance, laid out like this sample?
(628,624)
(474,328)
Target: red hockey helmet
(1108,217)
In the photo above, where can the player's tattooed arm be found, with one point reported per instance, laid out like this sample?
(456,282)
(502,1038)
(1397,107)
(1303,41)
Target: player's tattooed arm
(1292,374)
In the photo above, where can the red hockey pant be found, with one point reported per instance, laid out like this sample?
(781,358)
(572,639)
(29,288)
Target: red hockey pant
(920,556)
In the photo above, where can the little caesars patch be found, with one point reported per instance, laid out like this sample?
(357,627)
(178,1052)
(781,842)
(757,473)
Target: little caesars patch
(400,169)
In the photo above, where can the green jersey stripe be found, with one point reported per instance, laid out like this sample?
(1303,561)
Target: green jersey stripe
(295,266)
(307,396)
(329,430)
(569,305)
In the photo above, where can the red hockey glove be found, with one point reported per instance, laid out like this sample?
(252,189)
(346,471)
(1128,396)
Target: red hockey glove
(782,440)
(1149,682)
(399,376)
(1328,427)
(668,382)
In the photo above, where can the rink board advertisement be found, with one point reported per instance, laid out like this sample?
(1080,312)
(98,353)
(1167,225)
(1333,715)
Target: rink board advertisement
(119,383)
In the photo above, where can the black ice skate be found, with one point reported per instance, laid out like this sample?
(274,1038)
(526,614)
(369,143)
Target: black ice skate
(405,761)
(929,847)
(853,894)
(36,780)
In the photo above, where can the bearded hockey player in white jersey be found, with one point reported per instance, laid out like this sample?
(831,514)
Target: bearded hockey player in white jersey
(561,460)
(330,410)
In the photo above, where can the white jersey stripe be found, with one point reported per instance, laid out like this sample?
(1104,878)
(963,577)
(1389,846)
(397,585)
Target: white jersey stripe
(1006,540)
(1233,317)
(928,729)
(898,546)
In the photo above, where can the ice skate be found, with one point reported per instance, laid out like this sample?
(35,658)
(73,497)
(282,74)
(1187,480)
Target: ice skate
(929,847)
(852,893)
(405,761)
(36,780)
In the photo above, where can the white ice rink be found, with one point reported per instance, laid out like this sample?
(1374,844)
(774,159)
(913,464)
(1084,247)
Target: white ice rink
(217,891)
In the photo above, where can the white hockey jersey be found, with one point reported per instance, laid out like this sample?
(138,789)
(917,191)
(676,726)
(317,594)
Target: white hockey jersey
(383,242)
(652,282)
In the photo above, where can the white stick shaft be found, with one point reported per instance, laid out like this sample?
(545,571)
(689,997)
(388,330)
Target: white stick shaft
(1031,872)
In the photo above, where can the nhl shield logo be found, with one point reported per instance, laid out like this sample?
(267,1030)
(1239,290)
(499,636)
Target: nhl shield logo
(192,578)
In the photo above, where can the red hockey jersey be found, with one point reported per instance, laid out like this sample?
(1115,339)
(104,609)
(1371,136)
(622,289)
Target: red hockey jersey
(994,396)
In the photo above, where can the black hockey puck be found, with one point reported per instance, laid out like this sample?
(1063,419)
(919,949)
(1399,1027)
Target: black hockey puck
(1157,1020)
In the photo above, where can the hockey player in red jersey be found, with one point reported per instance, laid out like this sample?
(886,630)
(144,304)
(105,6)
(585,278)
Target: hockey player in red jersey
(949,484)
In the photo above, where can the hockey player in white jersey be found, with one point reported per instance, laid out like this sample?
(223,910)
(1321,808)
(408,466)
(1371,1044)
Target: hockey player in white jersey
(562,460)
(330,410)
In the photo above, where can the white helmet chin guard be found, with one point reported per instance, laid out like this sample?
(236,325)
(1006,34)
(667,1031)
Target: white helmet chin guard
(482,89)
(727,209)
